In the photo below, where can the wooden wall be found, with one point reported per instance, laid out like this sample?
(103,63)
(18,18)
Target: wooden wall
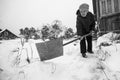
(108,14)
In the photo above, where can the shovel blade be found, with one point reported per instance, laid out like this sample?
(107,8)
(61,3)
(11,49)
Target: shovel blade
(50,49)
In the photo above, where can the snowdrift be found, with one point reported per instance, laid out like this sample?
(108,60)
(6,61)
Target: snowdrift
(104,64)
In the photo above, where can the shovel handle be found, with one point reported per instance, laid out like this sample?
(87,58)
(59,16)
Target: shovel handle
(79,38)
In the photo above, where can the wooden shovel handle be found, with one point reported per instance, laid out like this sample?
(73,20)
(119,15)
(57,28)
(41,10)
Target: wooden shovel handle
(79,38)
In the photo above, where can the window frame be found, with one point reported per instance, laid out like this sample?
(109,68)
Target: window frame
(107,13)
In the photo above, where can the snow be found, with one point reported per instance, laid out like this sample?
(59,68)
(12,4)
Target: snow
(103,65)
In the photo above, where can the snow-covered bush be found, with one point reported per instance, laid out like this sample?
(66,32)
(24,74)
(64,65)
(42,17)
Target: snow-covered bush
(68,33)
(107,39)
(29,33)
(45,32)
(50,31)
(55,30)
(102,54)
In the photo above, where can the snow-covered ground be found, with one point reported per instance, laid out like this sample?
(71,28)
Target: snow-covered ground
(104,64)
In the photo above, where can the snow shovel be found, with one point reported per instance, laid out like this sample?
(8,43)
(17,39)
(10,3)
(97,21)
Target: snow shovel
(54,48)
(50,49)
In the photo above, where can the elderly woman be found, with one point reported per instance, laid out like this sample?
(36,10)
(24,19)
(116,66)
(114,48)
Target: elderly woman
(85,24)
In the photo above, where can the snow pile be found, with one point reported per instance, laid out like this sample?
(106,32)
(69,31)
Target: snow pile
(109,57)
(108,53)
(22,62)
(108,38)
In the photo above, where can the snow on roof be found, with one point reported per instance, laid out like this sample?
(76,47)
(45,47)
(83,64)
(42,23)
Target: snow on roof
(9,31)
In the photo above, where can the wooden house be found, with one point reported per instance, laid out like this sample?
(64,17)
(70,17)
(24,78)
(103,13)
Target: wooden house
(6,35)
(107,13)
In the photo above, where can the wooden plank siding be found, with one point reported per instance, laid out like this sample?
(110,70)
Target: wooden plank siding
(110,23)
(108,14)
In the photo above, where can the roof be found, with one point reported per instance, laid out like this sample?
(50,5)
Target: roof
(8,31)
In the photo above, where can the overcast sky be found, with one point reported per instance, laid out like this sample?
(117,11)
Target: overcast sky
(16,14)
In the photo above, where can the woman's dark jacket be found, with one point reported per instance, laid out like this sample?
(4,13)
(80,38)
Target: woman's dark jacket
(86,24)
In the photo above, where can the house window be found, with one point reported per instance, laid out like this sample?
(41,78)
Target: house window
(103,7)
(109,6)
(116,5)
